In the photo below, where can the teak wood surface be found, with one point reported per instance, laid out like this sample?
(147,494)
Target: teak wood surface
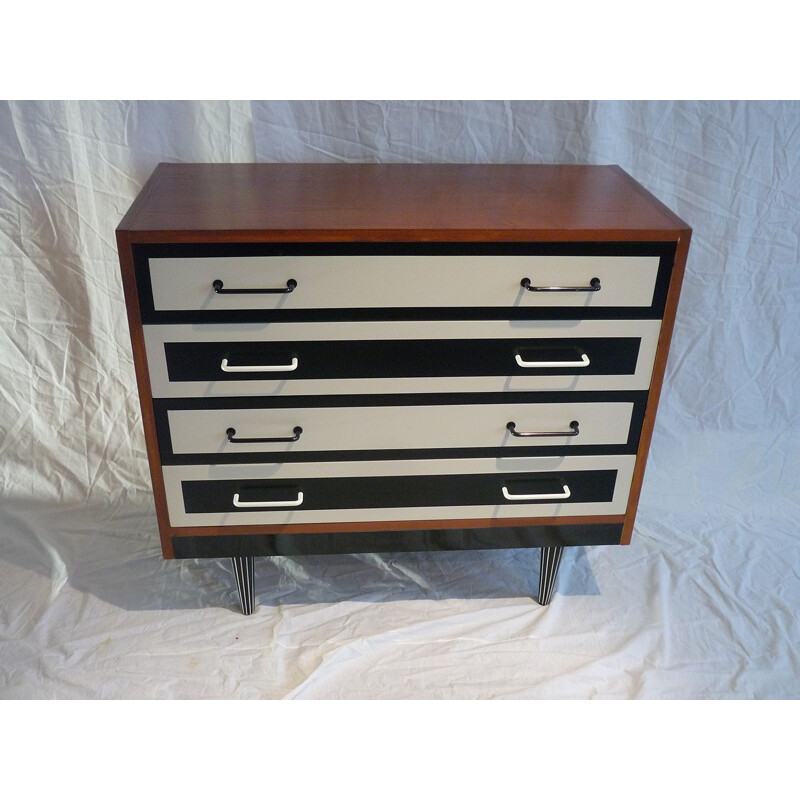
(394,203)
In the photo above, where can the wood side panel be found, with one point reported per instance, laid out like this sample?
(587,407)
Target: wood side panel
(145,393)
(657,380)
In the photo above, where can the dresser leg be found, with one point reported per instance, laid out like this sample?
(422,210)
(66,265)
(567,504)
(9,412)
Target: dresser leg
(243,569)
(551,559)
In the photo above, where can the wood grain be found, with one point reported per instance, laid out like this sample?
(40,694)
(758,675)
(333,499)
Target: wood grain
(145,392)
(400,202)
(656,381)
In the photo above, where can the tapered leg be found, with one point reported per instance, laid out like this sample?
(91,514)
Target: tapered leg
(551,559)
(243,569)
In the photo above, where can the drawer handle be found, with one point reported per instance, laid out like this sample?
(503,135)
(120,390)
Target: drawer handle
(584,362)
(231,434)
(226,367)
(563,496)
(594,286)
(574,430)
(267,503)
(291,285)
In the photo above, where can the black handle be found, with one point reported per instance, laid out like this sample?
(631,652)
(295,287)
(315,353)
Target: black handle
(594,286)
(574,431)
(231,433)
(291,285)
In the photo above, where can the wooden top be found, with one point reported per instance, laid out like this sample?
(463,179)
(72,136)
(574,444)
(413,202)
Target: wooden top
(396,202)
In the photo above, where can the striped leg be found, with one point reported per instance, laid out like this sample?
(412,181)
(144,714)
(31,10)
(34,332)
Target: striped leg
(243,568)
(551,559)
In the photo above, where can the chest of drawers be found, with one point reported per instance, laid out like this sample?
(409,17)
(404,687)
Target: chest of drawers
(341,358)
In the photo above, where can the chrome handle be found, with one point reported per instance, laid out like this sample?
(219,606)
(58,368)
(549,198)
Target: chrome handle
(225,367)
(574,430)
(594,286)
(584,362)
(563,496)
(291,285)
(231,433)
(267,503)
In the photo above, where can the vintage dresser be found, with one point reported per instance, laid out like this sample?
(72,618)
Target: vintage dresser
(343,358)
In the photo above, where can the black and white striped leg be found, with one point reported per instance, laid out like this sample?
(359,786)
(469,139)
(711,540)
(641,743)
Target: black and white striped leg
(551,559)
(243,569)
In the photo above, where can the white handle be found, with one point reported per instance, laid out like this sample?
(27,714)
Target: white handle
(270,368)
(268,504)
(584,362)
(563,496)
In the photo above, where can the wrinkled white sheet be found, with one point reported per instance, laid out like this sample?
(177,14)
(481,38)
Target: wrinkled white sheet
(703,604)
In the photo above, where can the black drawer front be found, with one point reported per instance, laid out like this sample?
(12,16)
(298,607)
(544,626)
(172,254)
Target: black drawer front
(202,361)
(407,491)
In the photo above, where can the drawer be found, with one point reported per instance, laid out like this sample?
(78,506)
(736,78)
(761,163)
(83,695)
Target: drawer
(236,431)
(263,494)
(361,357)
(401,281)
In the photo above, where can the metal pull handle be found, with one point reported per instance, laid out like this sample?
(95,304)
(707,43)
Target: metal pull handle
(563,496)
(226,367)
(584,362)
(594,286)
(291,285)
(574,430)
(231,434)
(268,503)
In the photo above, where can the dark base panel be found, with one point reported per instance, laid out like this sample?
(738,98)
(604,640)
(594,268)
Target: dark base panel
(298,544)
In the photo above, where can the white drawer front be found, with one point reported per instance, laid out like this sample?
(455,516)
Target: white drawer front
(503,475)
(284,382)
(325,282)
(399,427)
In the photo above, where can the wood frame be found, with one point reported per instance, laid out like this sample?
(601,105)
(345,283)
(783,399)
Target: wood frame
(394,203)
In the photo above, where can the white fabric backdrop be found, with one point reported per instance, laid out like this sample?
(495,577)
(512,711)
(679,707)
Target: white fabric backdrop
(702,604)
